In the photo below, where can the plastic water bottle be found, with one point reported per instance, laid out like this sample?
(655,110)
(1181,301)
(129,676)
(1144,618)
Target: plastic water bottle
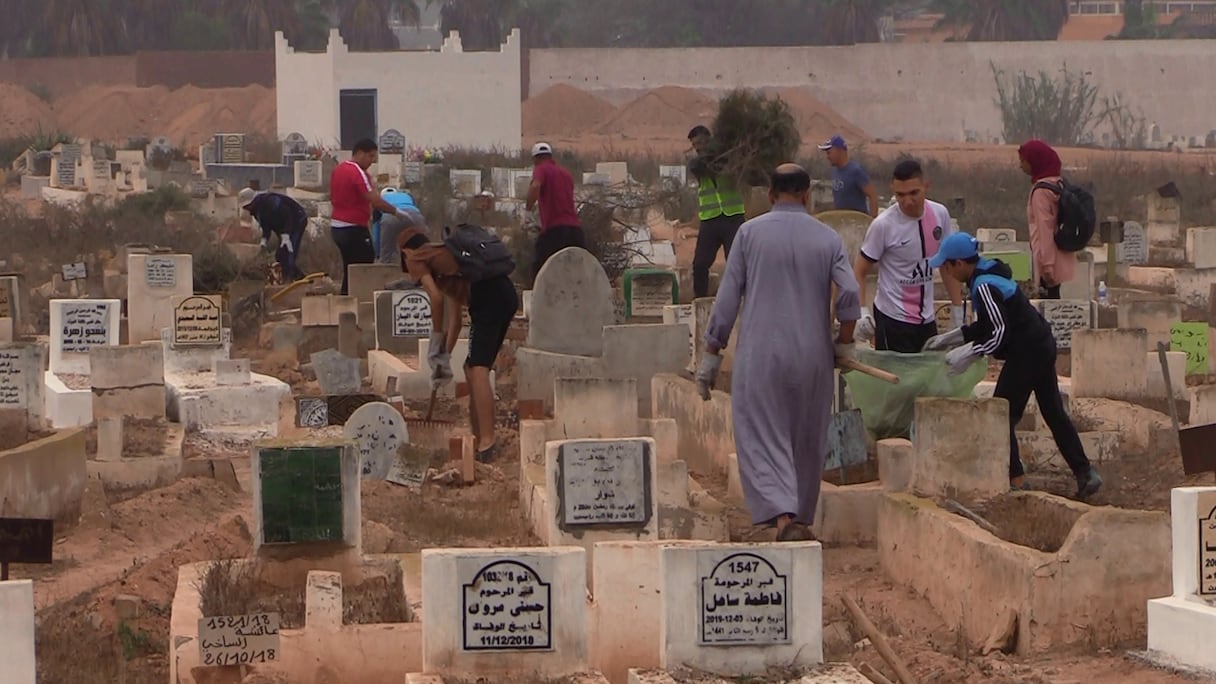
(1102,292)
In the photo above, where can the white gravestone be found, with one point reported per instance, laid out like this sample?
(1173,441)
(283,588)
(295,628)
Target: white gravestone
(238,640)
(197,321)
(21,383)
(378,430)
(1207,545)
(678,174)
(1133,251)
(1064,316)
(507,603)
(411,314)
(744,597)
(153,281)
(604,483)
(78,325)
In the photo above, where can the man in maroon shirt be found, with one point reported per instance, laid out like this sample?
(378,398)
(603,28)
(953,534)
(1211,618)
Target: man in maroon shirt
(353,195)
(553,190)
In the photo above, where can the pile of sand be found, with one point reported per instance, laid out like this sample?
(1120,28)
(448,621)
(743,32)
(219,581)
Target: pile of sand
(22,112)
(816,120)
(188,115)
(669,111)
(563,110)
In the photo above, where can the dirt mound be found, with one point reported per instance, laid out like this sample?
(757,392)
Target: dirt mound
(817,121)
(669,110)
(188,115)
(563,110)
(22,112)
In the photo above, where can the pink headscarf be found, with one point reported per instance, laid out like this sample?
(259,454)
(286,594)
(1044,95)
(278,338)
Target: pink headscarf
(1043,160)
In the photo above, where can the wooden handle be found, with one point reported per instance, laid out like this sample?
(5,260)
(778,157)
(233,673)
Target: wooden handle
(855,365)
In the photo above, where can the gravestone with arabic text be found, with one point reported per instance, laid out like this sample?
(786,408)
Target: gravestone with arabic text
(604,482)
(77,326)
(197,321)
(507,603)
(1064,316)
(378,430)
(1191,338)
(239,640)
(744,597)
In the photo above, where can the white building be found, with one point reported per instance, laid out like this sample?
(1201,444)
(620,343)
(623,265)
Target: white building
(436,99)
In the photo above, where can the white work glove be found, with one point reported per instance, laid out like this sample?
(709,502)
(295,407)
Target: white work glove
(287,244)
(944,341)
(961,358)
(441,375)
(263,243)
(956,316)
(437,353)
(845,352)
(707,374)
(864,332)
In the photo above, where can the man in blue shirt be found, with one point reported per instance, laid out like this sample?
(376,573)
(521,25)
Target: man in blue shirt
(386,228)
(851,186)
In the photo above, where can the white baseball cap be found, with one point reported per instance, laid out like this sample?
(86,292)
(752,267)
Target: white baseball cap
(541,148)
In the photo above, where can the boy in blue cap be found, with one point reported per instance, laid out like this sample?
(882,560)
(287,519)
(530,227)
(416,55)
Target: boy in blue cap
(387,228)
(1009,328)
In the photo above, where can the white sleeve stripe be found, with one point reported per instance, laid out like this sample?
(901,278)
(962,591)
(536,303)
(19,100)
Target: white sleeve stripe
(367,180)
(998,322)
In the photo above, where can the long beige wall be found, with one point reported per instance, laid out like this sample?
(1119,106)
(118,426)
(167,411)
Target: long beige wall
(917,92)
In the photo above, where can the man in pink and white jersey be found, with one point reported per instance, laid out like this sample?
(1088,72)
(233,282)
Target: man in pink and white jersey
(901,241)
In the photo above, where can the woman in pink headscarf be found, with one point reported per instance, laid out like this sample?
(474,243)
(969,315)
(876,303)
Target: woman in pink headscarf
(1051,265)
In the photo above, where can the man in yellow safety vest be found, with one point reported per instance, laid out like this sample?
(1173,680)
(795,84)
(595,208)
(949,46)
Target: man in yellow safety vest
(721,211)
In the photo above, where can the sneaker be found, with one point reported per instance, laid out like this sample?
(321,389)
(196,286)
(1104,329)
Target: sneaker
(1088,484)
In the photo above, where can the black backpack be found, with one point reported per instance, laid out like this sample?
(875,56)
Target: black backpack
(1077,216)
(479,253)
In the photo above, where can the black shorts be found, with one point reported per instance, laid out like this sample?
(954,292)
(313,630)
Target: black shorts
(492,306)
(897,336)
(554,240)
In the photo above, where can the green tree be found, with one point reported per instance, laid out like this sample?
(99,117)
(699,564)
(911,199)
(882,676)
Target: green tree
(1139,21)
(195,30)
(314,25)
(1001,20)
(151,23)
(18,27)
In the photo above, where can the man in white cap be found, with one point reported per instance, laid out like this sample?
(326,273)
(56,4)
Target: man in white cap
(552,190)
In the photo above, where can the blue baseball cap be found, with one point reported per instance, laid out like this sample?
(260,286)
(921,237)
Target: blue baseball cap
(834,141)
(957,246)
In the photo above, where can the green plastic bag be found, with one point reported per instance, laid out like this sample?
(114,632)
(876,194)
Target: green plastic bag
(887,410)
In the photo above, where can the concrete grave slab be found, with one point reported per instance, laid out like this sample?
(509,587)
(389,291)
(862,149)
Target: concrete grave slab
(336,373)
(232,372)
(1178,625)
(153,281)
(324,310)
(17,631)
(1095,352)
(953,442)
(402,318)
(367,279)
(21,381)
(194,358)
(128,381)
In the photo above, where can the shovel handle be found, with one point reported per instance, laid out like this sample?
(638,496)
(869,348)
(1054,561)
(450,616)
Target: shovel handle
(855,365)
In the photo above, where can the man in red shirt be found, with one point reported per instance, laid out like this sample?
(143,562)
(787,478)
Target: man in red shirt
(553,189)
(353,196)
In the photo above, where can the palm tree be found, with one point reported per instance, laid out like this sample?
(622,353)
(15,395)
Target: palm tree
(314,26)
(365,23)
(17,31)
(83,28)
(151,23)
(999,20)
(480,22)
(252,23)
(854,21)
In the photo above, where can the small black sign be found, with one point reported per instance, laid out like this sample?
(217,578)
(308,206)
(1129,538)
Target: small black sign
(26,540)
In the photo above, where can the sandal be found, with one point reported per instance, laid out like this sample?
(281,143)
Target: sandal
(795,532)
(488,454)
